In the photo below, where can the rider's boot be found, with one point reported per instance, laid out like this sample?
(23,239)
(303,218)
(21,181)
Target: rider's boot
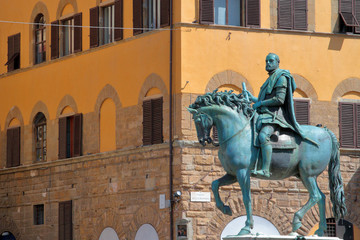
(266,152)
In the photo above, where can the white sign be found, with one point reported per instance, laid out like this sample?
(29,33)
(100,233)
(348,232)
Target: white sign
(162,201)
(200,196)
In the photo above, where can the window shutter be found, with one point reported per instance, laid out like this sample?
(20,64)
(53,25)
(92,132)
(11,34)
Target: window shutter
(77,135)
(118,35)
(61,221)
(357,125)
(11,52)
(78,32)
(16,147)
(300,14)
(347,13)
(55,39)
(9,147)
(157,120)
(165,13)
(285,14)
(347,125)
(94,22)
(302,108)
(147,123)
(253,13)
(68,220)
(357,15)
(62,138)
(137,17)
(207,11)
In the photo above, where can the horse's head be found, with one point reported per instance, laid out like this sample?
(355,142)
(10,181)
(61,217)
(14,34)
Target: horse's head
(203,124)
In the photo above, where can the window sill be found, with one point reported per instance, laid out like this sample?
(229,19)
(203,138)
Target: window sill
(350,152)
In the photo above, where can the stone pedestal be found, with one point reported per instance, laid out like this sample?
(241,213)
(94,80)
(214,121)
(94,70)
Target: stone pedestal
(274,237)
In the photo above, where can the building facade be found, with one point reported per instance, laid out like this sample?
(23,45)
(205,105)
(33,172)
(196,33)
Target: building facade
(95,137)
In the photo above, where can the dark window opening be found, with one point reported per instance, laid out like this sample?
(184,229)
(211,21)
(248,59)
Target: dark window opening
(7,236)
(349,14)
(13,62)
(40,39)
(39,214)
(70,136)
(65,220)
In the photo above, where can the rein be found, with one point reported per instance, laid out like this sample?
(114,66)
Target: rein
(240,131)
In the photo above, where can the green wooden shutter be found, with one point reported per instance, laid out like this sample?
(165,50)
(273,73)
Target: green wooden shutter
(94,23)
(206,11)
(118,35)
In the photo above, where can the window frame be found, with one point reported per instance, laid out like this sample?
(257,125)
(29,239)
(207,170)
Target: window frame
(345,26)
(41,28)
(70,136)
(102,26)
(65,51)
(40,143)
(153,120)
(39,214)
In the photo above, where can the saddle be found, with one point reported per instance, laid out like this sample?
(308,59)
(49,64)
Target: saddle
(281,139)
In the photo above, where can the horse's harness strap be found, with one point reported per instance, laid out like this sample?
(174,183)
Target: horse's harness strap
(241,130)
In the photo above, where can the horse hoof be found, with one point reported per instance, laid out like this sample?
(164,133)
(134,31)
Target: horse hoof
(293,234)
(296,226)
(227,210)
(244,231)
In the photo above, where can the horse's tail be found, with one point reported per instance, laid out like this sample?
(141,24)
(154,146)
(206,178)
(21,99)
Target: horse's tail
(337,195)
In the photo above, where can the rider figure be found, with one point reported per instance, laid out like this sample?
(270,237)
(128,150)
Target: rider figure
(275,108)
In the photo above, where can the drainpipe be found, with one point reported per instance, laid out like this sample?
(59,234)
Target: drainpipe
(171,126)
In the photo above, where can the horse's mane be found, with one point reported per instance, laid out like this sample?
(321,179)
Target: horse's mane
(226,98)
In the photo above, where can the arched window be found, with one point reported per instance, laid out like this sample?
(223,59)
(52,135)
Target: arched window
(7,236)
(40,134)
(40,39)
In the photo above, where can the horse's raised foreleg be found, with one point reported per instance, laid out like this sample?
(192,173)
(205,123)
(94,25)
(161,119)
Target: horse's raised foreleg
(315,197)
(243,177)
(223,181)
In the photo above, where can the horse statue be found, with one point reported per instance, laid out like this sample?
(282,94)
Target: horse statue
(238,153)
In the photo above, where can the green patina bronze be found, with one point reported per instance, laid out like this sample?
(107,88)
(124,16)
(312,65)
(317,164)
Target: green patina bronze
(267,134)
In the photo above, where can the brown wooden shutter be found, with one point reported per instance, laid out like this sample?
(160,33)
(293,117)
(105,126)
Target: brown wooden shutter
(285,14)
(9,147)
(300,14)
(11,52)
(302,111)
(94,23)
(137,17)
(347,124)
(77,135)
(157,120)
(55,39)
(13,147)
(164,13)
(78,32)
(147,122)
(357,15)
(65,220)
(118,35)
(62,137)
(347,11)
(357,125)
(206,11)
(253,13)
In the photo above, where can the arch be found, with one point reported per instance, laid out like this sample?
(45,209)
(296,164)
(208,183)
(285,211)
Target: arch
(153,80)
(305,86)
(67,100)
(227,77)
(39,8)
(39,107)
(62,4)
(347,85)
(14,113)
(108,219)
(107,126)
(108,234)
(107,92)
(146,215)
(265,208)
(146,231)
(8,225)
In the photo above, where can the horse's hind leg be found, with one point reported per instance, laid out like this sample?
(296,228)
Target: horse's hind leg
(322,226)
(315,197)
(223,181)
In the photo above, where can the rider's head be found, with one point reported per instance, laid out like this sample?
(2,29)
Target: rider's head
(272,62)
